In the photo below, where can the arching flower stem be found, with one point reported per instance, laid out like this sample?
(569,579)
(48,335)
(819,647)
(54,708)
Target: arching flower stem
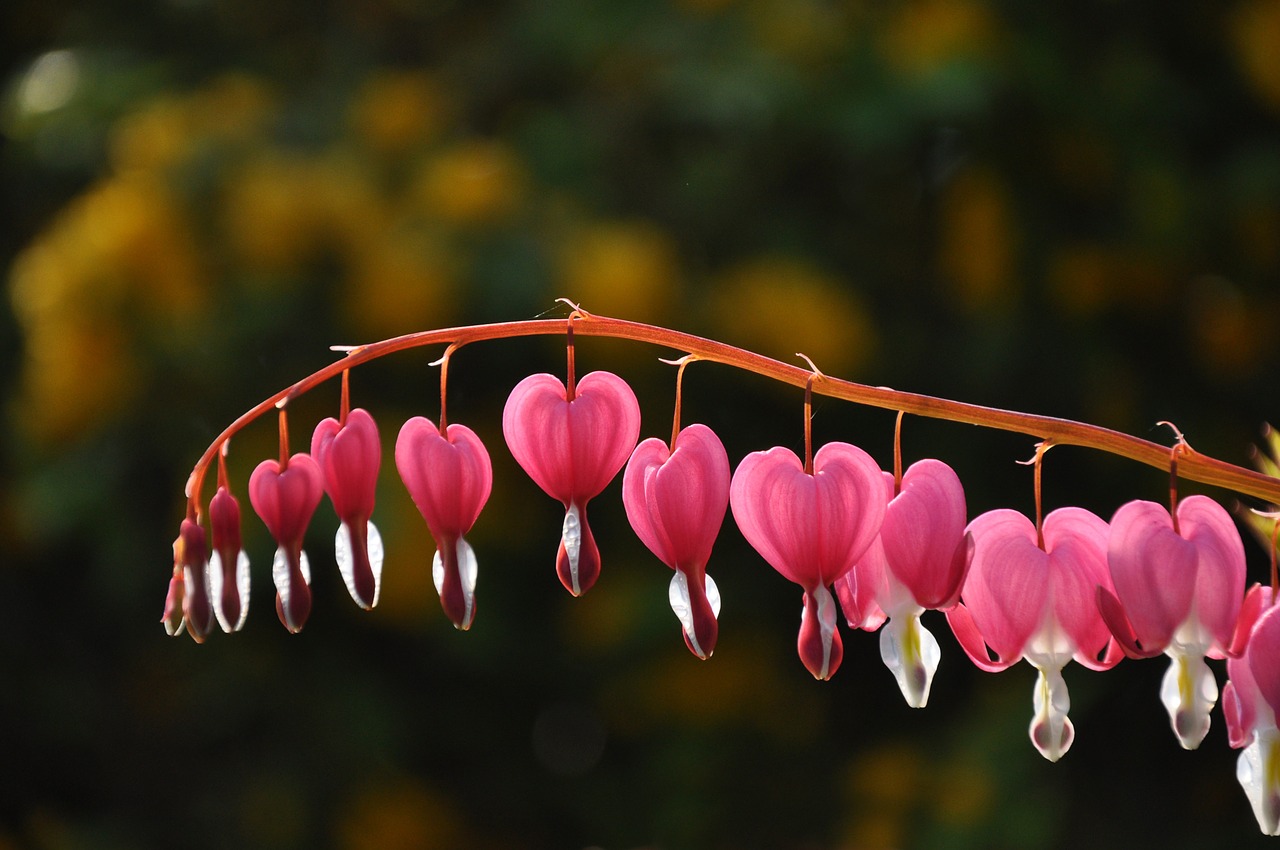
(1193,466)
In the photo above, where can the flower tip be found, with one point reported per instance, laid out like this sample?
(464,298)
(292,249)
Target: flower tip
(819,644)
(578,558)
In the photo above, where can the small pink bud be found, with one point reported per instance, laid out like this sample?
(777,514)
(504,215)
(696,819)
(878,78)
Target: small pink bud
(228,565)
(193,556)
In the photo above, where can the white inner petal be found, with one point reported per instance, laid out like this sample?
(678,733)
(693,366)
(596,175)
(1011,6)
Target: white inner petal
(1258,772)
(242,583)
(1189,691)
(678,596)
(468,573)
(342,548)
(911,653)
(1051,730)
(280,574)
(571,536)
(215,590)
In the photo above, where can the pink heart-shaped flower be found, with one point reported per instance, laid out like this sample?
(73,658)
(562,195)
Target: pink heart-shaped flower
(449,477)
(811,528)
(676,502)
(572,449)
(285,500)
(349,455)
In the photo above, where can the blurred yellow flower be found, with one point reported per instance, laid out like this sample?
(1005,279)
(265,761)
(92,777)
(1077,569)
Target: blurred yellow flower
(978,241)
(156,137)
(269,216)
(395,111)
(925,36)
(778,306)
(399,814)
(401,283)
(1255,33)
(475,182)
(625,269)
(75,372)
(799,31)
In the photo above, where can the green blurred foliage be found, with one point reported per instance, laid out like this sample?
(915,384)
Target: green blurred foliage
(1066,209)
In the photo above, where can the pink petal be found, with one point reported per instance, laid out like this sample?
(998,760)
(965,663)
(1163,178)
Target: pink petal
(1007,589)
(923,534)
(449,479)
(1220,573)
(286,500)
(819,643)
(677,503)
(349,457)
(224,520)
(810,528)
(971,641)
(1153,570)
(859,589)
(572,449)
(1076,542)
(1263,656)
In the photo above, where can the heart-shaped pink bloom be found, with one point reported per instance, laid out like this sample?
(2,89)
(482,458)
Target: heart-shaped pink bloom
(228,565)
(1025,601)
(572,449)
(917,562)
(1177,592)
(811,528)
(1251,702)
(285,500)
(349,455)
(1165,578)
(676,501)
(449,478)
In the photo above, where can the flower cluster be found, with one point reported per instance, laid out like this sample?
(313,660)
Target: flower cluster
(881,547)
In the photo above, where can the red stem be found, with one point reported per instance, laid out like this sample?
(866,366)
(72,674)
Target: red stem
(284,440)
(1194,466)
(571,384)
(808,424)
(897,453)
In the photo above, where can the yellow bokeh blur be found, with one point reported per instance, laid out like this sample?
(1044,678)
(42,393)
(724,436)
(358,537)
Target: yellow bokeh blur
(472,183)
(398,815)
(395,111)
(780,305)
(397,285)
(1255,34)
(977,254)
(924,36)
(626,269)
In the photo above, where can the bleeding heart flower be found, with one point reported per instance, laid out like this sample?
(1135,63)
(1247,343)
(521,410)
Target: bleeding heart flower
(1177,591)
(1250,702)
(228,565)
(572,448)
(285,499)
(676,501)
(349,455)
(811,528)
(449,478)
(917,562)
(1033,598)
(187,602)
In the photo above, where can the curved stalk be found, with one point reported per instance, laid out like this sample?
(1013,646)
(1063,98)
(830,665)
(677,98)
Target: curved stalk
(1191,465)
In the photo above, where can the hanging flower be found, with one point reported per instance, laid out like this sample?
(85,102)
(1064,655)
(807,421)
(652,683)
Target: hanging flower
(676,500)
(285,496)
(917,562)
(187,602)
(1178,585)
(811,526)
(1030,594)
(228,565)
(572,444)
(1250,701)
(349,455)
(449,477)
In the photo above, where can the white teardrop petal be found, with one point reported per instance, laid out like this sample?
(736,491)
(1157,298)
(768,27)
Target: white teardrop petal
(342,549)
(1189,692)
(911,653)
(1258,772)
(571,537)
(215,590)
(242,582)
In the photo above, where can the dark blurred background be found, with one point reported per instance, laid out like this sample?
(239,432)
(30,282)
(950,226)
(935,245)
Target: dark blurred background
(1070,209)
